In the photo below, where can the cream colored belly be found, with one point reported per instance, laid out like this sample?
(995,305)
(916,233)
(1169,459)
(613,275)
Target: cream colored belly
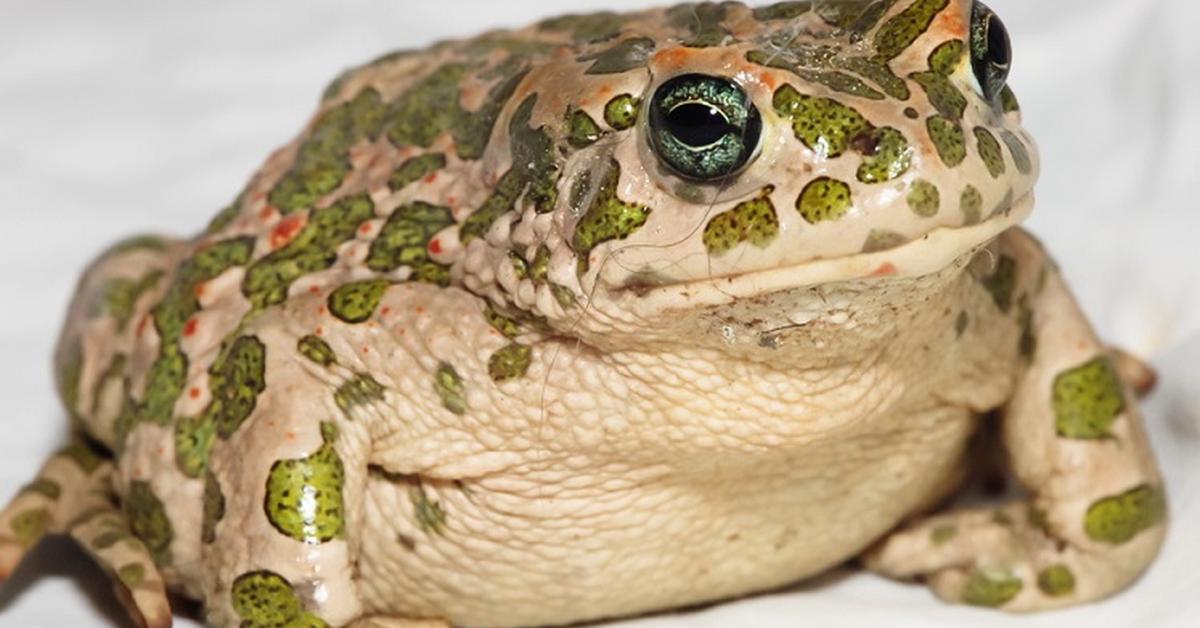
(553,545)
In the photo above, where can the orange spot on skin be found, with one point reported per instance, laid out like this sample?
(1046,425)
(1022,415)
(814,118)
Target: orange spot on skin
(366,350)
(199,289)
(286,230)
(189,329)
(365,230)
(320,331)
(385,311)
(886,270)
(435,246)
(431,177)
(321,310)
(160,451)
(194,393)
(950,24)
(673,57)
(266,213)
(141,328)
(258,196)
(452,200)
(420,310)
(291,436)
(314,290)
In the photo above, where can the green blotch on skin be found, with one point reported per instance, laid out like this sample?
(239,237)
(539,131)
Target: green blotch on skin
(782,10)
(888,157)
(1118,519)
(149,522)
(943,94)
(622,111)
(448,385)
(214,508)
(991,588)
(946,58)
(30,526)
(404,241)
(1008,100)
(971,205)
(506,326)
(534,175)
(989,152)
(608,217)
(942,534)
(193,442)
(69,376)
(564,296)
(132,575)
(304,495)
(702,20)
(510,363)
(924,199)
(360,390)
(136,243)
(414,169)
(961,323)
(312,250)
(323,160)
(899,32)
(168,374)
(1002,283)
(520,266)
(224,218)
(120,296)
(45,487)
(432,107)
(539,268)
(582,130)
(264,599)
(626,55)
(753,221)
(430,516)
(883,240)
(841,82)
(108,539)
(589,28)
(1027,344)
(948,138)
(1020,152)
(824,125)
(1087,400)
(878,73)
(316,350)
(86,454)
(1056,581)
(357,301)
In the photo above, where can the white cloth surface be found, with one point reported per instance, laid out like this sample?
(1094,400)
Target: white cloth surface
(119,117)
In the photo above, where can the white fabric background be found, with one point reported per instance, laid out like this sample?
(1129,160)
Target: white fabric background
(123,116)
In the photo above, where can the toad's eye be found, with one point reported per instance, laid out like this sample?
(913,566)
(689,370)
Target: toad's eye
(991,51)
(703,127)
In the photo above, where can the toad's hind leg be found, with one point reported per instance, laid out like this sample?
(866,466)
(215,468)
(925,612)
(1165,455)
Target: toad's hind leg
(1096,512)
(283,491)
(73,495)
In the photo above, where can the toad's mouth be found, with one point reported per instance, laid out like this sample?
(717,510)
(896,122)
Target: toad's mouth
(922,256)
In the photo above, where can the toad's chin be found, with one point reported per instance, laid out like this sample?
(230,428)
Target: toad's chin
(923,256)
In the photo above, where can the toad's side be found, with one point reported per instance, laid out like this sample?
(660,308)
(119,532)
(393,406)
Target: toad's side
(613,314)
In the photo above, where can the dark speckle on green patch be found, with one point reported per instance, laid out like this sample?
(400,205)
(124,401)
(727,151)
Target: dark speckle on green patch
(824,199)
(316,350)
(626,55)
(621,112)
(608,217)
(29,526)
(886,155)
(924,199)
(753,221)
(264,599)
(1087,400)
(991,588)
(882,240)
(404,241)
(430,516)
(1056,581)
(214,508)
(304,496)
(971,205)
(356,302)
(1118,519)
(510,363)
(824,125)
(360,390)
(1001,283)
(948,138)
(900,31)
(323,160)
(989,152)
(582,130)
(414,169)
(1019,151)
(312,250)
(448,385)
(236,378)
(148,521)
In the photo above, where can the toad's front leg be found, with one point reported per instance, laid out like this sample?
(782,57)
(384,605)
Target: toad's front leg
(1096,512)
